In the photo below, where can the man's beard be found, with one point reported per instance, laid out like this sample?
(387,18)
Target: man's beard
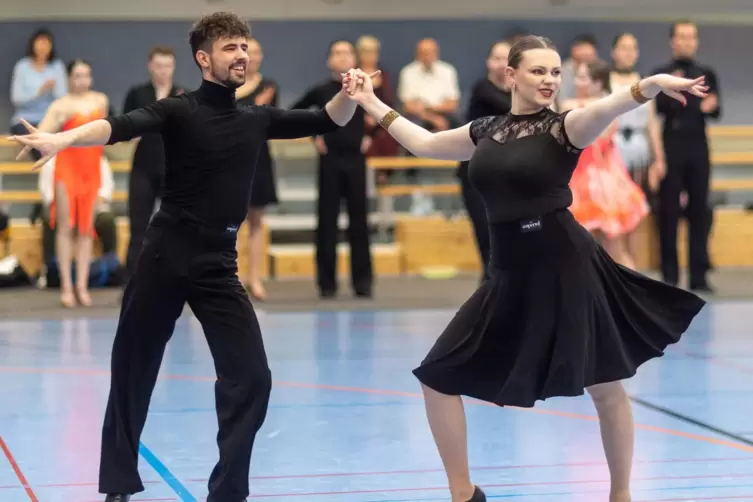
(228,81)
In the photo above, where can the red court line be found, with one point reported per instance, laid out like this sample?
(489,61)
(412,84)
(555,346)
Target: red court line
(17,470)
(388,392)
(416,471)
(499,485)
(141,500)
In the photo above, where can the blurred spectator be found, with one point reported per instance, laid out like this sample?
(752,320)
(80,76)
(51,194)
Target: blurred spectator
(368,51)
(38,79)
(688,160)
(583,50)
(77,181)
(148,166)
(104,220)
(428,89)
(258,90)
(490,96)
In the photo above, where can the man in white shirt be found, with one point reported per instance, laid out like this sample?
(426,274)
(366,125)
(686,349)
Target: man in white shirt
(428,89)
(104,219)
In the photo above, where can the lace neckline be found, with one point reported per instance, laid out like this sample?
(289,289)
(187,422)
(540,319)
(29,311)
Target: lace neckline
(528,116)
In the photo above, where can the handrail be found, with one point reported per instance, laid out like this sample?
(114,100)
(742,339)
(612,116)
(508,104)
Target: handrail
(31,196)
(720,185)
(385,163)
(714,131)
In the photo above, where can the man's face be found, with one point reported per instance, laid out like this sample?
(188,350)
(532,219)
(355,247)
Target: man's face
(685,41)
(227,61)
(583,53)
(162,68)
(427,52)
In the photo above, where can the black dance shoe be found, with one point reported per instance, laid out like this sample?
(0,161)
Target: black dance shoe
(119,497)
(478,495)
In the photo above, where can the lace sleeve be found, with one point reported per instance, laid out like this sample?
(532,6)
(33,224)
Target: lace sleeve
(480,128)
(560,134)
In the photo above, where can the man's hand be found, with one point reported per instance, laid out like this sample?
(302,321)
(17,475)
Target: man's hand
(45,143)
(265,96)
(710,103)
(321,146)
(366,144)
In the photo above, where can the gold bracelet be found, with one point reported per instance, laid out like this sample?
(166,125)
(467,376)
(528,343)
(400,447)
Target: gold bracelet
(638,96)
(388,119)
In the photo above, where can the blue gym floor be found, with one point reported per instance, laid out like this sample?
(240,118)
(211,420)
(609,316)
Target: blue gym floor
(346,422)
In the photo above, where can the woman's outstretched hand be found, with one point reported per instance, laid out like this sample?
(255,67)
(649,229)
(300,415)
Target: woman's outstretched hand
(674,86)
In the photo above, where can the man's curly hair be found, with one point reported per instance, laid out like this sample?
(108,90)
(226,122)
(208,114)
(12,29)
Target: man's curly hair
(214,27)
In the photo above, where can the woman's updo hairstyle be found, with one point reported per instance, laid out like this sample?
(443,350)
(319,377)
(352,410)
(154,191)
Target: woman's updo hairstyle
(527,43)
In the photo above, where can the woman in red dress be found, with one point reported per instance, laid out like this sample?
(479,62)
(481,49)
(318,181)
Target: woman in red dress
(606,200)
(77,182)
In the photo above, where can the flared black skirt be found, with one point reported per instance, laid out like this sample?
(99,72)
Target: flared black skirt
(558,315)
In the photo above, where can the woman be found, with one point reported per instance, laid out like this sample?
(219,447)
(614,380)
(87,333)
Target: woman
(606,201)
(490,96)
(380,144)
(77,181)
(38,79)
(558,315)
(638,136)
(258,90)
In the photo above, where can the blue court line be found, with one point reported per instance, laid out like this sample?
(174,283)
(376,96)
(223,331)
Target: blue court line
(165,474)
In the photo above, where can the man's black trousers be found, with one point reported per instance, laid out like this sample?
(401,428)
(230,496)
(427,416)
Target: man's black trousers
(183,262)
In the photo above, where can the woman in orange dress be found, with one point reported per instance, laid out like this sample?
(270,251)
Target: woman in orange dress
(606,200)
(77,182)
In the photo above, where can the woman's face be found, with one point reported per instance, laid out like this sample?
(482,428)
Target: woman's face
(42,47)
(584,84)
(498,59)
(538,77)
(625,53)
(368,55)
(80,79)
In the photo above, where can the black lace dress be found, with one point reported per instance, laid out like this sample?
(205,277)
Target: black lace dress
(557,314)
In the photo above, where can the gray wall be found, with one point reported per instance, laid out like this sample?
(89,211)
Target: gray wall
(295,51)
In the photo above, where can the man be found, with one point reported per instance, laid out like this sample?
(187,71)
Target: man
(104,219)
(688,161)
(429,92)
(148,165)
(428,89)
(342,175)
(189,252)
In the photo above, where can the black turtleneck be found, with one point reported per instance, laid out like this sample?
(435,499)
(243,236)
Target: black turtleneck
(346,139)
(211,144)
(681,121)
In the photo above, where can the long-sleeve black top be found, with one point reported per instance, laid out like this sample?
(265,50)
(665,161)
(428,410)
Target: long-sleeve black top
(488,99)
(211,145)
(346,139)
(683,121)
(149,155)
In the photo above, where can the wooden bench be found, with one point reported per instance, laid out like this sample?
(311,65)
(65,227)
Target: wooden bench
(26,243)
(299,261)
(437,242)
